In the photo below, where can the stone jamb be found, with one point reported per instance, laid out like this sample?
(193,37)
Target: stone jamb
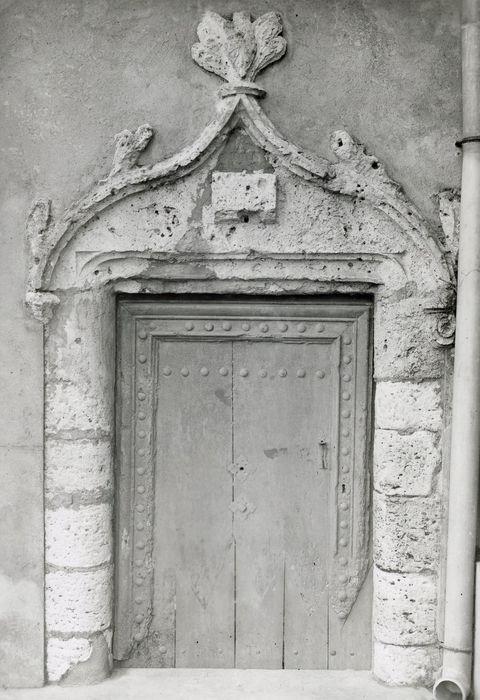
(80,436)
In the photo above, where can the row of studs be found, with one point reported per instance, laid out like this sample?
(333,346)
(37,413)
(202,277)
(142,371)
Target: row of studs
(142,576)
(243,372)
(344,504)
(263,327)
(282,326)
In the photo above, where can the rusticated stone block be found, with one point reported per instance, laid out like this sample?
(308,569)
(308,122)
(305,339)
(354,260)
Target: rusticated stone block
(407,347)
(79,660)
(78,465)
(405,463)
(62,654)
(405,608)
(408,406)
(78,601)
(398,665)
(406,534)
(75,407)
(79,537)
(79,358)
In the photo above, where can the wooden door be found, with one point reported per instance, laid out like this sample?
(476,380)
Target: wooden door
(243,491)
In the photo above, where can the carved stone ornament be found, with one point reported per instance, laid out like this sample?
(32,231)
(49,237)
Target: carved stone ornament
(237,50)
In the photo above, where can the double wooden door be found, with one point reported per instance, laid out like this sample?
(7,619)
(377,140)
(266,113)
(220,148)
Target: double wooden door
(241,443)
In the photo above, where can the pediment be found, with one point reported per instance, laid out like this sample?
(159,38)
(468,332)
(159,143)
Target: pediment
(241,189)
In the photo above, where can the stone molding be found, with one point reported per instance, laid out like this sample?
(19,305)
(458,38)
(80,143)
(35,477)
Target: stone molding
(356,174)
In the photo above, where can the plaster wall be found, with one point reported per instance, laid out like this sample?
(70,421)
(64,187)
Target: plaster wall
(75,73)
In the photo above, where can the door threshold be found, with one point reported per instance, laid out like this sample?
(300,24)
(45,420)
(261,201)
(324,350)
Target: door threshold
(226,684)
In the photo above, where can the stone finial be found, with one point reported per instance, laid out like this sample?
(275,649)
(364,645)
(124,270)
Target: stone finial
(37,224)
(238,49)
(129,146)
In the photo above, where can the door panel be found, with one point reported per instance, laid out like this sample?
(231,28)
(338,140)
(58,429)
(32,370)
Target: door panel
(242,485)
(193,545)
(281,496)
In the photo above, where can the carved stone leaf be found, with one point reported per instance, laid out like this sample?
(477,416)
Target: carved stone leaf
(208,53)
(129,146)
(238,49)
(210,61)
(240,45)
(270,46)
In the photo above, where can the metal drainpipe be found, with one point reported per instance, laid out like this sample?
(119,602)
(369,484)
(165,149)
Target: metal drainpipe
(455,681)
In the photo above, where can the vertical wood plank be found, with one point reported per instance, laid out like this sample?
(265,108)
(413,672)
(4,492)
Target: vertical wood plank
(193,548)
(281,496)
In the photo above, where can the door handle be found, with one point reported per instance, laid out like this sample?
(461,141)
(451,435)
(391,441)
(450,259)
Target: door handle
(323,454)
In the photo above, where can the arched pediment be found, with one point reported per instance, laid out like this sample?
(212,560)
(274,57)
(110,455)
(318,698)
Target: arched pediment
(194,204)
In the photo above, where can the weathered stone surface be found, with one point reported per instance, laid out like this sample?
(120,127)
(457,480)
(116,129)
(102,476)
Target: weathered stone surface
(398,665)
(408,406)
(405,464)
(238,49)
(78,466)
(78,601)
(80,367)
(79,660)
(404,608)
(406,535)
(96,667)
(63,653)
(236,195)
(79,537)
(406,340)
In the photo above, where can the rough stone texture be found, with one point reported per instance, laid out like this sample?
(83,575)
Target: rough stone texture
(79,660)
(398,665)
(405,464)
(97,667)
(408,406)
(62,653)
(406,536)
(79,537)
(406,347)
(75,466)
(78,601)
(236,195)
(405,608)
(256,44)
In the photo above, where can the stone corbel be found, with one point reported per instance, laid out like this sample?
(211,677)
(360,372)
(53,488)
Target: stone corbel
(40,304)
(449,214)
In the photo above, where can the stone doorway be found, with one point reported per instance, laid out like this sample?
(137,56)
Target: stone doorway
(242,211)
(242,483)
